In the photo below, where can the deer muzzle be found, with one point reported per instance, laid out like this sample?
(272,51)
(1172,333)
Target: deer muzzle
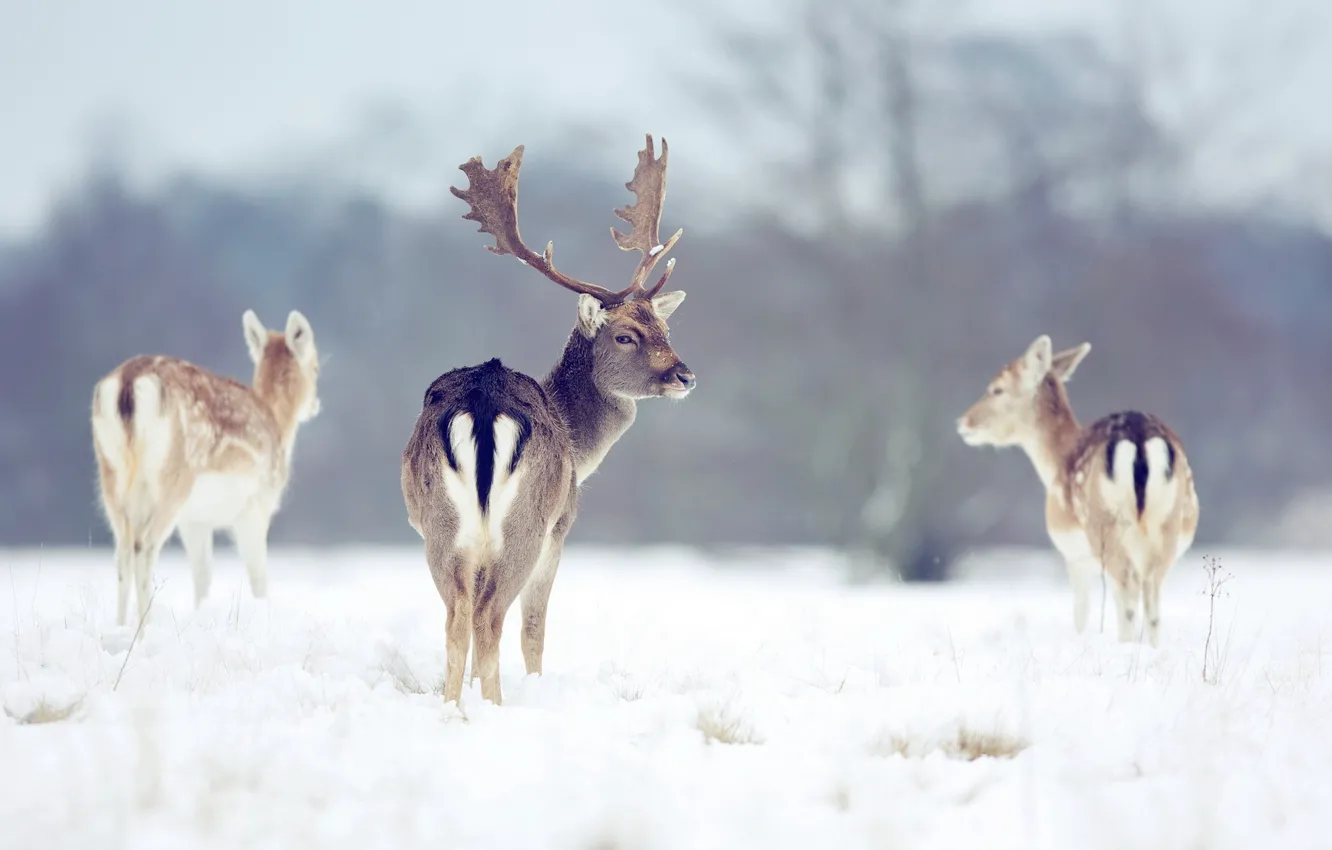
(679,380)
(968,431)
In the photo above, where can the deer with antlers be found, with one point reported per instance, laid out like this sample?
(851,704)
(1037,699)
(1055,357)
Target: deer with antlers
(181,448)
(1119,493)
(490,475)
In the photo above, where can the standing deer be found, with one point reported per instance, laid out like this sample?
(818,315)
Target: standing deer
(1118,495)
(491,473)
(179,447)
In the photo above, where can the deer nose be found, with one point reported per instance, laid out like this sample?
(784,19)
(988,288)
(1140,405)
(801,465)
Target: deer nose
(685,377)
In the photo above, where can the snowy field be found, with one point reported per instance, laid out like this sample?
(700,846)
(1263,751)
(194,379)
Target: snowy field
(689,702)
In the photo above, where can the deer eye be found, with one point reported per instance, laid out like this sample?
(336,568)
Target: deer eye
(624,339)
(996,390)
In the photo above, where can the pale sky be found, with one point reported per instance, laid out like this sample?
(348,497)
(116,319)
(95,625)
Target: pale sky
(234,84)
(241,85)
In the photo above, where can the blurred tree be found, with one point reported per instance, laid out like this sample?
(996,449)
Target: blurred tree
(892,100)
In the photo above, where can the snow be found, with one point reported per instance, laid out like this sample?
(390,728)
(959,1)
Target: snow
(313,719)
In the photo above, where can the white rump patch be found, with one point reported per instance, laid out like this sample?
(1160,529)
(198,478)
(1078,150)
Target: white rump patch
(152,433)
(460,485)
(1117,489)
(107,428)
(1120,501)
(1158,457)
(504,486)
(138,450)
(1141,534)
(477,533)
(108,392)
(1161,488)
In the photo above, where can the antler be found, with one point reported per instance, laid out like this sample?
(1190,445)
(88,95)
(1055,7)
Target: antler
(644,217)
(492,195)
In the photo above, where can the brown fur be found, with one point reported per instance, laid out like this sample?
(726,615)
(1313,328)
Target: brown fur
(172,423)
(1097,521)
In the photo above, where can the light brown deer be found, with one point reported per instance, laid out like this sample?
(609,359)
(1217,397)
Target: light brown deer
(179,447)
(491,473)
(1118,494)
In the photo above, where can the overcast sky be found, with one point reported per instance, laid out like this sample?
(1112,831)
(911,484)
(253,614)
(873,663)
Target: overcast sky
(244,84)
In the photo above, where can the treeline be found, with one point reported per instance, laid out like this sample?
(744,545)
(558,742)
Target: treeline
(1202,320)
(928,204)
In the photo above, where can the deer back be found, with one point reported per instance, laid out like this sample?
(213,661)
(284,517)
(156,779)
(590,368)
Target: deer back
(489,458)
(219,424)
(1129,472)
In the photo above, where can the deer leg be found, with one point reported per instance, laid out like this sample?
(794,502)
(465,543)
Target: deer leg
(458,634)
(449,571)
(1151,606)
(124,574)
(1128,591)
(251,534)
(535,598)
(1157,567)
(1166,552)
(1127,582)
(144,561)
(121,532)
(1081,575)
(198,542)
(488,624)
(147,546)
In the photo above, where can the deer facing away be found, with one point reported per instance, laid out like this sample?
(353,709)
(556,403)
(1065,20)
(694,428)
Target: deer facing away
(491,472)
(1119,493)
(181,448)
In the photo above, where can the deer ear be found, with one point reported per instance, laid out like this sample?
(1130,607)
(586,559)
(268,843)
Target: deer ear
(1036,362)
(591,316)
(666,303)
(300,336)
(256,335)
(1065,363)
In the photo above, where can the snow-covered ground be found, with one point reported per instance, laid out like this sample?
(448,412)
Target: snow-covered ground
(689,702)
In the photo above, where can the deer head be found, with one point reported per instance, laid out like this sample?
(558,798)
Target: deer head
(1008,414)
(633,357)
(286,365)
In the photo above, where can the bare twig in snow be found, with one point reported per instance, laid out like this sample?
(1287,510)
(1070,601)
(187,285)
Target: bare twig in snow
(135,640)
(1217,576)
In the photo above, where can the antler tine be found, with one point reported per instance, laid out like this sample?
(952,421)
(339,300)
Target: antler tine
(492,195)
(644,217)
(670,267)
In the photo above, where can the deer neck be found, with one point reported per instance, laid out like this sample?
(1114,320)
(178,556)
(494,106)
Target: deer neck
(285,415)
(596,419)
(1055,436)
